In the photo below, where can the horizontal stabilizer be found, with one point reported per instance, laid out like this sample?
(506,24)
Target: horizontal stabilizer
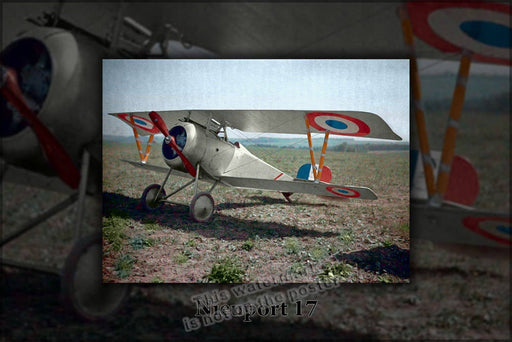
(301,186)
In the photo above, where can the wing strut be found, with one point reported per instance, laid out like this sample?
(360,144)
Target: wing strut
(310,142)
(428,162)
(443,174)
(143,156)
(436,191)
(322,157)
(317,172)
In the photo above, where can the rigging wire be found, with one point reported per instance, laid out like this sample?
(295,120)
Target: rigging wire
(266,152)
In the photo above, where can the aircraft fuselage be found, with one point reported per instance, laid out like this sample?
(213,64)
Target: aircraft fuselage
(217,156)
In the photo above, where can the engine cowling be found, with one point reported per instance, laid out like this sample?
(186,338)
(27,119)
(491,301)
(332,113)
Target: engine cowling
(59,74)
(200,146)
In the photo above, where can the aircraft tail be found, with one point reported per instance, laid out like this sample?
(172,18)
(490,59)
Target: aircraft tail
(306,172)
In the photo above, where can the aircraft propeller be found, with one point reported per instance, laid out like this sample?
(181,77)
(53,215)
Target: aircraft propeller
(55,153)
(169,140)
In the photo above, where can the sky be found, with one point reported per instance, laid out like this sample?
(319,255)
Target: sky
(377,86)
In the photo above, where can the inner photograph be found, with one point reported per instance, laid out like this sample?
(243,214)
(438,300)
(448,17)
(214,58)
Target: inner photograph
(256,171)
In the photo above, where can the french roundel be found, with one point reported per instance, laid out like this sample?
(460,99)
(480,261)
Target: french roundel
(344,192)
(140,122)
(337,123)
(484,29)
(494,228)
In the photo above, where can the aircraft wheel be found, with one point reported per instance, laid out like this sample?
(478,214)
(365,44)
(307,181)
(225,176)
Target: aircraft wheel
(82,289)
(201,207)
(149,201)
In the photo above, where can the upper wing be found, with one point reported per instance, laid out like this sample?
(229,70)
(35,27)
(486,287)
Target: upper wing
(482,27)
(301,186)
(348,123)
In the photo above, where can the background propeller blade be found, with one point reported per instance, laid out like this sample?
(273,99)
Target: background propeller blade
(169,139)
(57,156)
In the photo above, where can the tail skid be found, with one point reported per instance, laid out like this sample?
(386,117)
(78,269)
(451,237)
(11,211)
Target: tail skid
(287,196)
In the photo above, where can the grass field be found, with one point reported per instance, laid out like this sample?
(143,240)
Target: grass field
(256,236)
(451,295)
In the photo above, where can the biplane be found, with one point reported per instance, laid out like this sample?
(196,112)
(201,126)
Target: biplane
(197,147)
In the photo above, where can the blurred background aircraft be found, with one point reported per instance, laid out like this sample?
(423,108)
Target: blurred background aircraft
(57,48)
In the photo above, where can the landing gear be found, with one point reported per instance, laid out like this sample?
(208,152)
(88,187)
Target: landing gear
(81,278)
(81,282)
(152,196)
(202,205)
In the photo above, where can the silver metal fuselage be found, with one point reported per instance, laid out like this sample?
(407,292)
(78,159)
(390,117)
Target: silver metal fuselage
(218,157)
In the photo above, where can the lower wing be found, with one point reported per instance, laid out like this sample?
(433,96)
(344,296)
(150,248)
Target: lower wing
(466,227)
(156,168)
(162,169)
(17,175)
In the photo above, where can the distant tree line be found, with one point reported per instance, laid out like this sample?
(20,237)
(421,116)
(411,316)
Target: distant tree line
(344,147)
(267,145)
